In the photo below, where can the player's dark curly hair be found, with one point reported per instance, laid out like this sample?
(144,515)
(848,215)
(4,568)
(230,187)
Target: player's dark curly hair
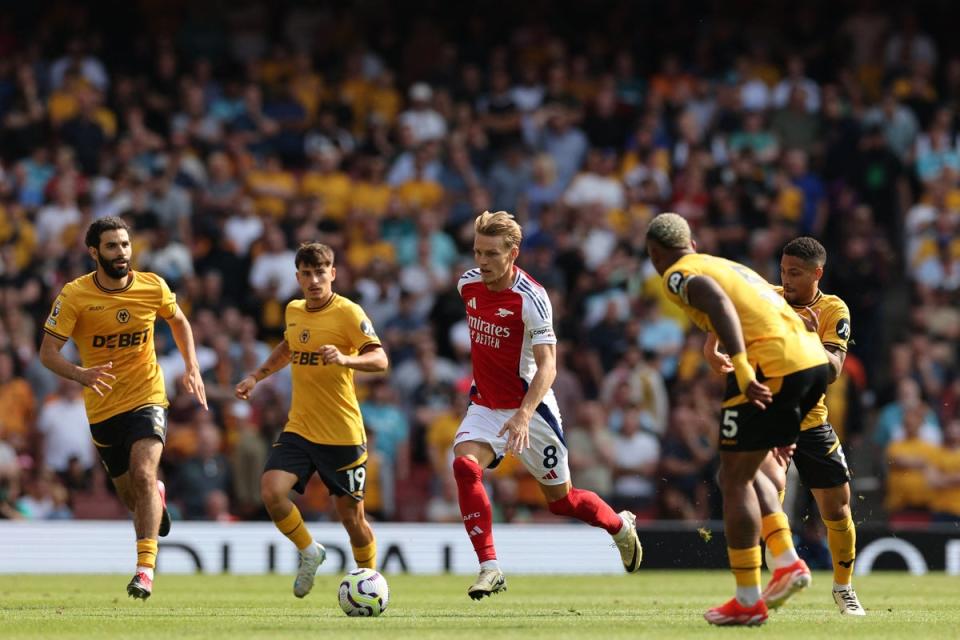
(807,249)
(313,254)
(97,227)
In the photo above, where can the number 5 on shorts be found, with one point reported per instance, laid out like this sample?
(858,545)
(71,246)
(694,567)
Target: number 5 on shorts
(729,423)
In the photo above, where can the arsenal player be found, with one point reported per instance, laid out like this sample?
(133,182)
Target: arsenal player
(513,409)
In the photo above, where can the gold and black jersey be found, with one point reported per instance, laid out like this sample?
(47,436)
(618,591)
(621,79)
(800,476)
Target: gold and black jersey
(776,339)
(834,331)
(116,325)
(324,408)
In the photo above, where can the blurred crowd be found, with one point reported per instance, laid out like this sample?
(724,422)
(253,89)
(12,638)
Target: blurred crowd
(228,133)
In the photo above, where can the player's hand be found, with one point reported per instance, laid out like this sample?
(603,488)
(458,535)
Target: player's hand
(517,429)
(97,378)
(719,362)
(193,383)
(759,394)
(783,455)
(245,388)
(331,355)
(811,319)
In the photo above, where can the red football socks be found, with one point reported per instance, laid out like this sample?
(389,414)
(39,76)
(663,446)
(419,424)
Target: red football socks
(475,507)
(587,507)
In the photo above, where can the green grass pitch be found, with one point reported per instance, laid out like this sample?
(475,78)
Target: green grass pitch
(651,604)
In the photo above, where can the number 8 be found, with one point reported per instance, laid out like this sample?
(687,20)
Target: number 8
(550,457)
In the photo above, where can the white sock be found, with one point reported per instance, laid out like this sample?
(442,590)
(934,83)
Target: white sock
(624,530)
(785,559)
(489,564)
(310,551)
(146,570)
(748,596)
(842,587)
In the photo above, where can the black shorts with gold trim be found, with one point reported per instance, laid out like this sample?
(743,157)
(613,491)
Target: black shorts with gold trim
(819,458)
(746,427)
(114,437)
(343,468)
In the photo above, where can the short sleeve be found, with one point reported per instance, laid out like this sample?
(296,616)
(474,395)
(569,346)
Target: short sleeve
(675,287)
(359,329)
(835,328)
(538,317)
(168,300)
(63,317)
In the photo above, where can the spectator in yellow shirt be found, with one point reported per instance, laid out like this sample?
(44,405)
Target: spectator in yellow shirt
(325,180)
(272,187)
(909,461)
(944,476)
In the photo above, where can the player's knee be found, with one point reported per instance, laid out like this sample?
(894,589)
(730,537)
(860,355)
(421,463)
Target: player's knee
(466,468)
(142,478)
(270,492)
(835,509)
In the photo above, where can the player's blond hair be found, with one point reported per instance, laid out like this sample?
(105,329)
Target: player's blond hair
(669,230)
(502,224)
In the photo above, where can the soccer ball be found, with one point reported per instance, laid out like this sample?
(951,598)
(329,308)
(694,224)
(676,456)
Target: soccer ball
(364,592)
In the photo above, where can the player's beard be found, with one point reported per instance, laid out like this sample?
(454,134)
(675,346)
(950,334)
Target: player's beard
(112,271)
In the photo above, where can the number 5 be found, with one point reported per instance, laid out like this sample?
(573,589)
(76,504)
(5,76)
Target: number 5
(729,423)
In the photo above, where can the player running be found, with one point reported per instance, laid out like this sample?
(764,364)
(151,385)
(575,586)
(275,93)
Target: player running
(779,373)
(110,315)
(513,352)
(818,455)
(327,337)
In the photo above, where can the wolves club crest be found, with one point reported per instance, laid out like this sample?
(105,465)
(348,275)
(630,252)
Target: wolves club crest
(123,316)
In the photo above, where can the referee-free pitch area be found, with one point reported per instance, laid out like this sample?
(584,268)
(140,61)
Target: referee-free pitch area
(649,604)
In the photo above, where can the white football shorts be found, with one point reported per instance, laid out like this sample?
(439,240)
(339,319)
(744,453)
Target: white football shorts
(545,458)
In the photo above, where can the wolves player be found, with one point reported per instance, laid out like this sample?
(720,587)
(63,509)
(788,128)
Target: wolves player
(779,373)
(818,456)
(513,352)
(327,338)
(110,314)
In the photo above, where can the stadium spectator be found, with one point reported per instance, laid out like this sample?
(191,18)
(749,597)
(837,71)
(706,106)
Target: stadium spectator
(909,459)
(224,152)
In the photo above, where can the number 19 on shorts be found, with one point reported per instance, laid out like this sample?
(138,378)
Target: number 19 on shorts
(356,478)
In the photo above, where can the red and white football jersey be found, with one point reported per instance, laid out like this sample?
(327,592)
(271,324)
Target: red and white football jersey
(504,326)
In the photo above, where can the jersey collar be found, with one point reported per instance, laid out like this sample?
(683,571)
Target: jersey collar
(815,300)
(96,281)
(321,308)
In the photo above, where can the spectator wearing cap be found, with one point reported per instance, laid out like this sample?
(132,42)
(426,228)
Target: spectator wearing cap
(425,123)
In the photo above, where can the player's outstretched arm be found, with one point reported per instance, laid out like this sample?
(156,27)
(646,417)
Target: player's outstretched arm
(705,294)
(278,359)
(183,336)
(97,378)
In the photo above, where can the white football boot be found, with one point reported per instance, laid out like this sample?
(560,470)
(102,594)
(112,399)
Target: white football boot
(309,563)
